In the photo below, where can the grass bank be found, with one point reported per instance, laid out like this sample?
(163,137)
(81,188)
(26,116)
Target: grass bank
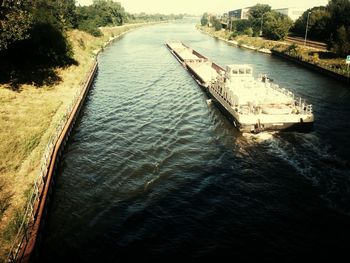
(29,115)
(320,58)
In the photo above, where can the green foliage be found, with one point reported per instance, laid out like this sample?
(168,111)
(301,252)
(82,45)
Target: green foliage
(258,11)
(233,35)
(339,26)
(109,12)
(256,17)
(330,24)
(241,25)
(341,44)
(317,24)
(215,23)
(248,31)
(276,25)
(34,31)
(60,13)
(31,48)
(100,13)
(293,50)
(204,19)
(340,13)
(15,21)
(14,225)
(50,44)
(143,17)
(90,27)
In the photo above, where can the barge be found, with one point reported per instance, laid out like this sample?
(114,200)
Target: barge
(252,104)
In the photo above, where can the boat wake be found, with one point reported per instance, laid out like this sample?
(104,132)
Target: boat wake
(305,154)
(209,102)
(259,137)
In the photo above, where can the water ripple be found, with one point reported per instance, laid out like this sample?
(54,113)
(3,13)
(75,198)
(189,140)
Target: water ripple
(153,170)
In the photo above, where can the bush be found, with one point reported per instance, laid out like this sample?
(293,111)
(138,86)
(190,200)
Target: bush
(248,31)
(89,27)
(293,50)
(217,25)
(204,21)
(241,25)
(233,35)
(241,42)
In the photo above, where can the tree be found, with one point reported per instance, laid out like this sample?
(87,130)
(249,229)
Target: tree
(317,24)
(109,12)
(204,19)
(256,17)
(100,13)
(34,30)
(339,11)
(342,43)
(339,26)
(48,39)
(258,11)
(241,25)
(15,22)
(216,23)
(277,25)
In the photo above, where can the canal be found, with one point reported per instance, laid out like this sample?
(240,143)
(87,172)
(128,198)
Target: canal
(152,172)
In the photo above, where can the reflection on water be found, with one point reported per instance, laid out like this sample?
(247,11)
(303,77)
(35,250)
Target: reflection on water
(154,171)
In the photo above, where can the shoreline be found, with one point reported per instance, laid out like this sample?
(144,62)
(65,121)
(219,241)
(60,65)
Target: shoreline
(283,55)
(63,96)
(236,43)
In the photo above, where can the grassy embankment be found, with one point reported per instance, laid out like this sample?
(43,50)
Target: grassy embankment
(321,58)
(29,116)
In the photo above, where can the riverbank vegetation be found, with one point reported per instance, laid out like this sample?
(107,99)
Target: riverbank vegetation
(267,29)
(33,34)
(108,13)
(44,57)
(29,115)
(330,24)
(321,58)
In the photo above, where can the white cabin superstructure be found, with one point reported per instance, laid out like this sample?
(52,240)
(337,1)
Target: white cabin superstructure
(254,104)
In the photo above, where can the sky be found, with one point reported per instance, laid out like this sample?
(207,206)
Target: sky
(198,7)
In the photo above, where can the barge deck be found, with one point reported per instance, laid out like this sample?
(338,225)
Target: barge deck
(252,104)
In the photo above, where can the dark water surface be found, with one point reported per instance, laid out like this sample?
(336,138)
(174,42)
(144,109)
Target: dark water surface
(154,173)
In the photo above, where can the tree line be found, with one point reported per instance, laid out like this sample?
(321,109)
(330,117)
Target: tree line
(261,20)
(38,28)
(330,24)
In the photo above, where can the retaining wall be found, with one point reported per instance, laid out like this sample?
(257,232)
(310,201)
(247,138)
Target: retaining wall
(27,249)
(313,67)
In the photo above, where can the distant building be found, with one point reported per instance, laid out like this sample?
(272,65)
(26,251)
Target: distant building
(242,13)
(292,12)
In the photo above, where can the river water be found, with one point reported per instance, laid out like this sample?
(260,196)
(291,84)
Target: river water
(152,172)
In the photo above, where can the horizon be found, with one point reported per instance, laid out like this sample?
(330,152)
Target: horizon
(196,7)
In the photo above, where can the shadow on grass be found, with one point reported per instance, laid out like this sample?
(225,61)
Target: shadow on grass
(13,74)
(5,197)
(325,54)
(35,61)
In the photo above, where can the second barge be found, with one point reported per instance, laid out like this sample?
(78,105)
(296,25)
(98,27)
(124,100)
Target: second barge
(253,104)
